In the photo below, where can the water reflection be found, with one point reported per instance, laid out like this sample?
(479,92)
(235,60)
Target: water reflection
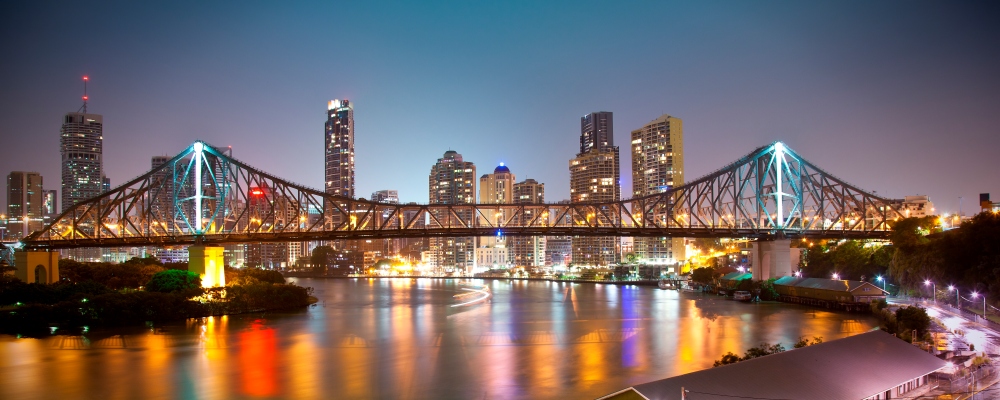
(399,338)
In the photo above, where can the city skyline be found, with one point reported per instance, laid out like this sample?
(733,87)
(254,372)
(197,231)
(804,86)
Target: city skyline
(852,90)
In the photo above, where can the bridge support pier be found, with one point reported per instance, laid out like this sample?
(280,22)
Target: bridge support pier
(37,266)
(773,258)
(208,262)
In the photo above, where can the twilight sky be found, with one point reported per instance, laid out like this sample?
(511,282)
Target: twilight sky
(896,97)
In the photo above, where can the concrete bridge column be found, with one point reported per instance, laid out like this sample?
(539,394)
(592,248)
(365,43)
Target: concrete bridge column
(35,266)
(208,262)
(772,258)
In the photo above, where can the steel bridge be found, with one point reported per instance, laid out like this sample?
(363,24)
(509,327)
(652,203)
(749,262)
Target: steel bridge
(203,196)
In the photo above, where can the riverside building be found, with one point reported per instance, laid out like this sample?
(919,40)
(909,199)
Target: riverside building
(658,166)
(452,180)
(594,178)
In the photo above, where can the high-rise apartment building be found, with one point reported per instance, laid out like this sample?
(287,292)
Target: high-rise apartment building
(594,178)
(452,181)
(81,145)
(25,203)
(340,148)
(495,188)
(386,196)
(658,166)
(528,251)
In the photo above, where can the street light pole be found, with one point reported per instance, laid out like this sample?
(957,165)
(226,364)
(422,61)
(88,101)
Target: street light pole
(950,288)
(933,289)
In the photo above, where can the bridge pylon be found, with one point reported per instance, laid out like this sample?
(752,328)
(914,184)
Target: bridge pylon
(37,266)
(774,258)
(208,262)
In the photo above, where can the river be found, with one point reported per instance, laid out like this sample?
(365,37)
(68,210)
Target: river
(403,339)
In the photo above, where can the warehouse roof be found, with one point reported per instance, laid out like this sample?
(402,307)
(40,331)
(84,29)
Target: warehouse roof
(820,283)
(856,367)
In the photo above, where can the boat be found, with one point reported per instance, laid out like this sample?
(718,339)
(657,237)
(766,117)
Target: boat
(742,295)
(665,284)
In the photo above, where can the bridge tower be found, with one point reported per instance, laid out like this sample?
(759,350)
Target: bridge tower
(34,266)
(773,258)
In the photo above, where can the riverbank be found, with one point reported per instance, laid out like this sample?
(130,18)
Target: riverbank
(647,282)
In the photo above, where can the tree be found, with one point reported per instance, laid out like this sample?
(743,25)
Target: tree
(804,341)
(173,280)
(322,257)
(704,275)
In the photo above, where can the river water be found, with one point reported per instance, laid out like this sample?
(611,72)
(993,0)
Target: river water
(405,338)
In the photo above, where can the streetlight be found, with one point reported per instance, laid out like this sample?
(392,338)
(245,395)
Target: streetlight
(950,288)
(836,276)
(880,279)
(974,294)
(933,289)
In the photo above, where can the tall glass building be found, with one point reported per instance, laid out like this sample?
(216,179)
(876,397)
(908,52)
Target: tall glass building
(340,148)
(81,145)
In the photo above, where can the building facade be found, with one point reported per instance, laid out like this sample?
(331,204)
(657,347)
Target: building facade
(594,178)
(528,251)
(918,206)
(25,203)
(81,147)
(340,148)
(386,196)
(452,180)
(495,188)
(658,166)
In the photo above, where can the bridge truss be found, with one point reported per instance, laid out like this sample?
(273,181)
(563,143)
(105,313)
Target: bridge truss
(205,196)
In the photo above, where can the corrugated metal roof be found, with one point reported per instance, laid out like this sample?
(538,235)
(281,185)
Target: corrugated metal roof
(851,368)
(825,284)
(736,276)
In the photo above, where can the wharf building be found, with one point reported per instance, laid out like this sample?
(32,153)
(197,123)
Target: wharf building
(452,180)
(528,251)
(496,188)
(25,204)
(658,166)
(595,178)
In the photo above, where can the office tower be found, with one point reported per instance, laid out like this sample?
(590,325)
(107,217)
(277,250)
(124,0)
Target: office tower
(50,208)
(81,145)
(452,181)
(25,203)
(597,131)
(340,148)
(528,251)
(658,166)
(386,196)
(495,188)
(594,178)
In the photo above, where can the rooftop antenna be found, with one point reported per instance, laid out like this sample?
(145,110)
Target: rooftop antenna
(85,79)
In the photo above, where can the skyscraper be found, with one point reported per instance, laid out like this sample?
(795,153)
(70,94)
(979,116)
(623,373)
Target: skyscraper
(594,178)
(340,148)
(658,166)
(452,181)
(528,251)
(386,196)
(25,203)
(495,188)
(81,145)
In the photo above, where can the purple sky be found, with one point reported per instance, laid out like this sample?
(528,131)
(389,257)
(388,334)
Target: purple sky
(897,97)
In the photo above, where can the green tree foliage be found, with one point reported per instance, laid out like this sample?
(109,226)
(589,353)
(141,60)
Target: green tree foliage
(128,275)
(704,275)
(761,350)
(173,280)
(968,257)
(804,341)
(322,257)
(245,276)
(851,259)
(903,321)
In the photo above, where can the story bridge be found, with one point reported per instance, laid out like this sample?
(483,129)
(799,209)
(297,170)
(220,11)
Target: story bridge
(204,197)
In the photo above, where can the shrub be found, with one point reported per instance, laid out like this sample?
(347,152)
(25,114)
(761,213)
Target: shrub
(173,280)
